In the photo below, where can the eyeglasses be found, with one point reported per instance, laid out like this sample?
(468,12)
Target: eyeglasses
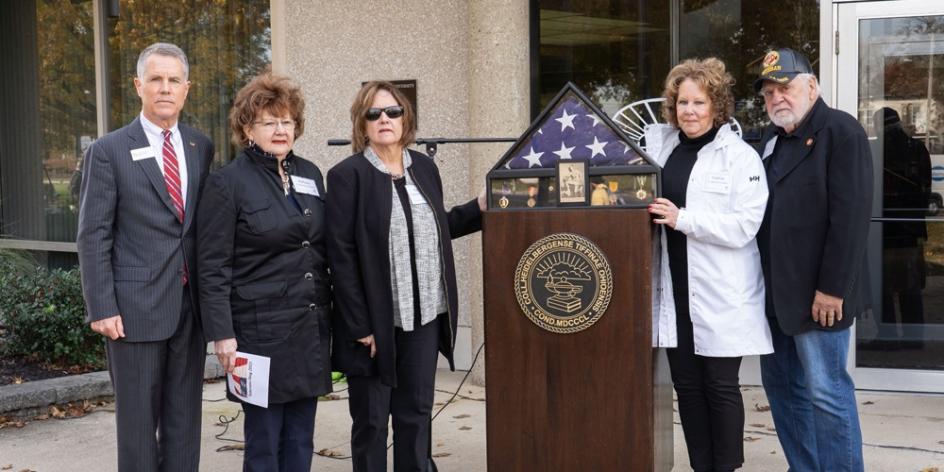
(271,125)
(373,114)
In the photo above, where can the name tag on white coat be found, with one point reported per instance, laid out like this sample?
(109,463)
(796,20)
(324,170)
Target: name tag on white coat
(717,182)
(416,197)
(142,153)
(305,185)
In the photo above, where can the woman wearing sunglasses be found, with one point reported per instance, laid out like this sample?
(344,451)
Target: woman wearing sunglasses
(390,253)
(264,286)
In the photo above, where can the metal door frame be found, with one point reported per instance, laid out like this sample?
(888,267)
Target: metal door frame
(840,65)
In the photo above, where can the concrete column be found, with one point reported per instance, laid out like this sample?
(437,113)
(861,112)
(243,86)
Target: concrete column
(499,104)
(332,49)
(470,60)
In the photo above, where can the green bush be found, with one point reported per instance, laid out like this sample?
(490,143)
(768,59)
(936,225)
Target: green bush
(43,314)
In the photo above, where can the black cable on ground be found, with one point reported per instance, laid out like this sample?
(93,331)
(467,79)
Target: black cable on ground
(225,421)
(461,383)
(443,407)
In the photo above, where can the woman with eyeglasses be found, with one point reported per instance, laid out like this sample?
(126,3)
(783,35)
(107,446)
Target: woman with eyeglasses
(396,305)
(263,275)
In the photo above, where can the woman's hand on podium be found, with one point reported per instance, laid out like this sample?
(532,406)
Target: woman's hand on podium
(665,210)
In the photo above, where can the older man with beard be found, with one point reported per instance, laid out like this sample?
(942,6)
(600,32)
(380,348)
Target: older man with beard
(813,252)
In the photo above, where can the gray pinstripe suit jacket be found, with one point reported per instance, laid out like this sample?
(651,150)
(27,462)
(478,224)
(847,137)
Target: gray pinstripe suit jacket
(132,249)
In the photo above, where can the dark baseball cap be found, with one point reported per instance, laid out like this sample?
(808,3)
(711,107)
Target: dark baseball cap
(781,66)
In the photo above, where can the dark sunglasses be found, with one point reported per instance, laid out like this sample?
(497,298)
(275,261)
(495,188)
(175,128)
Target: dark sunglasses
(373,114)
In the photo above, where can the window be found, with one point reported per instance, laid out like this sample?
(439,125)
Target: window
(616,52)
(740,32)
(227,43)
(48,96)
(619,52)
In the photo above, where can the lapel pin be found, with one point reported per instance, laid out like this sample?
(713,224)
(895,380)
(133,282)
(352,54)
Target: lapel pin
(193,144)
(809,142)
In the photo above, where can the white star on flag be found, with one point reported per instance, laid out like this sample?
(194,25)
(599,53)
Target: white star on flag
(569,132)
(596,148)
(566,121)
(564,152)
(533,158)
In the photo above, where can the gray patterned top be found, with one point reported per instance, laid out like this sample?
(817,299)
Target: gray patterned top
(426,242)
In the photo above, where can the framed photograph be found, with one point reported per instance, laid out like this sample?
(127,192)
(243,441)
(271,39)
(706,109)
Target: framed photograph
(573,182)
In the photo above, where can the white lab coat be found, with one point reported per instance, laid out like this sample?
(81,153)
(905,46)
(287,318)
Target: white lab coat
(725,203)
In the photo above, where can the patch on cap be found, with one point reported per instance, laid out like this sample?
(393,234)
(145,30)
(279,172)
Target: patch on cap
(771,58)
(781,66)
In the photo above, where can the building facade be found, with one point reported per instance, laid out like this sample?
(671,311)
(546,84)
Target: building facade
(484,69)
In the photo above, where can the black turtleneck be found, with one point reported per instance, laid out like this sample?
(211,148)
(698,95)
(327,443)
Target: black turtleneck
(270,163)
(675,175)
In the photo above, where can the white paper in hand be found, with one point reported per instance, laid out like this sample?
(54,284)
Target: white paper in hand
(250,380)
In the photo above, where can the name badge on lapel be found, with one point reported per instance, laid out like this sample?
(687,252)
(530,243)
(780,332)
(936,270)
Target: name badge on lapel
(305,185)
(717,182)
(142,153)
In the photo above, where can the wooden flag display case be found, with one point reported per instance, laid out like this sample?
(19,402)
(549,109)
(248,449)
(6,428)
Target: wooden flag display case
(572,380)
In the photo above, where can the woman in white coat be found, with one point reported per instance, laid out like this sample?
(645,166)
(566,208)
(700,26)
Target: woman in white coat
(714,196)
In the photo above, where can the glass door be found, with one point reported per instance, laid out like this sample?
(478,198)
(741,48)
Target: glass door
(890,75)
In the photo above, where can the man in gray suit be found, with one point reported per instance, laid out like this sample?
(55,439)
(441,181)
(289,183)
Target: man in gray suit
(139,192)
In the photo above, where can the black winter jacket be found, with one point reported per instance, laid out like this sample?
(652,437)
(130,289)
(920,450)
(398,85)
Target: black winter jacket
(263,274)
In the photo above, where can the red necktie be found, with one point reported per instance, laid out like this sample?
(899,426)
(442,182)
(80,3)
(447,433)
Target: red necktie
(172,176)
(172,180)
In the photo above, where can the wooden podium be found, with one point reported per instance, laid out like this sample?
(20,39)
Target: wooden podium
(572,380)
(595,400)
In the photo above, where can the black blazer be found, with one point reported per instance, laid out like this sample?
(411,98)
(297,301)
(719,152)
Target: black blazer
(358,237)
(263,274)
(817,223)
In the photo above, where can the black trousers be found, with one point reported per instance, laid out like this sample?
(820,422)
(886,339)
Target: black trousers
(158,387)
(279,438)
(411,403)
(709,402)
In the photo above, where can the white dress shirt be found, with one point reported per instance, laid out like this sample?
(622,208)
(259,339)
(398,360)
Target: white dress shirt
(155,137)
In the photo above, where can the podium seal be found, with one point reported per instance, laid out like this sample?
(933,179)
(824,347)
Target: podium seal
(563,283)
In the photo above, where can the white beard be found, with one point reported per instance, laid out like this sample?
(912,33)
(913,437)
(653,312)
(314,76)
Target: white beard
(789,118)
(785,119)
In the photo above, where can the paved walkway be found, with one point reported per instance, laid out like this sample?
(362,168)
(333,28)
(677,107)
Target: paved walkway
(902,432)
